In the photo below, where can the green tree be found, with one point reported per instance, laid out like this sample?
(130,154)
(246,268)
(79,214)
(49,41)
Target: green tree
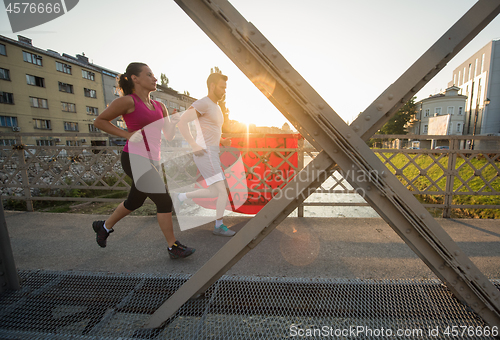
(222,104)
(396,125)
(164,80)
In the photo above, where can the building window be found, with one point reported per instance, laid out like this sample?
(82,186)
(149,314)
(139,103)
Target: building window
(35,81)
(183,108)
(4,74)
(460,110)
(73,143)
(88,75)
(116,92)
(7,142)
(44,142)
(39,102)
(92,111)
(70,126)
(459,127)
(65,68)
(425,128)
(90,93)
(438,111)
(43,124)
(68,107)
(32,58)
(450,110)
(3,50)
(6,98)
(92,128)
(427,112)
(63,87)
(6,121)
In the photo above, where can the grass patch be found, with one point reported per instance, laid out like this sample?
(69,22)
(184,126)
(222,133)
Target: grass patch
(421,172)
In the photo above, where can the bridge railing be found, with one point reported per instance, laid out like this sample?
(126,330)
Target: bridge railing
(451,176)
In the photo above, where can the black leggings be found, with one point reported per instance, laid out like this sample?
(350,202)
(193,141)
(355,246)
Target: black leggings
(136,198)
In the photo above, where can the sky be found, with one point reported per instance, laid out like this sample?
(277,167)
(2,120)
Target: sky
(348,51)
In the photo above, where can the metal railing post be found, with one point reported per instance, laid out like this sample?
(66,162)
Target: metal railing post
(8,272)
(24,173)
(301,152)
(450,178)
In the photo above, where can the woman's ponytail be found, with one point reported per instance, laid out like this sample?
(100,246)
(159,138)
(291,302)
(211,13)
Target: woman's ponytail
(125,82)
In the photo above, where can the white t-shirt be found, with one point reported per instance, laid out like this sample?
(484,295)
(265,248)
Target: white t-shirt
(209,124)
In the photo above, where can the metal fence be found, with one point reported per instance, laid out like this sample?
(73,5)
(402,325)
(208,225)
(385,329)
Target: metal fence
(445,178)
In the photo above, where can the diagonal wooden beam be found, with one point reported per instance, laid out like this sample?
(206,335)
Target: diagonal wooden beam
(342,145)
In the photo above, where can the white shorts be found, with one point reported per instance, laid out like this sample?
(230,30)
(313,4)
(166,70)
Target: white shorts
(209,165)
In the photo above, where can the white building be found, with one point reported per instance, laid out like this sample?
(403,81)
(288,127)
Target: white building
(479,79)
(450,103)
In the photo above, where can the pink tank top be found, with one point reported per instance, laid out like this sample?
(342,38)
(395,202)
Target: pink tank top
(151,123)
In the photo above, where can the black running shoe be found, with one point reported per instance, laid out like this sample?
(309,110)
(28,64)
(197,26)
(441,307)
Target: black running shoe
(101,233)
(179,251)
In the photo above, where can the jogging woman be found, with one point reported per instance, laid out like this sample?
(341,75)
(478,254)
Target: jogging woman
(145,119)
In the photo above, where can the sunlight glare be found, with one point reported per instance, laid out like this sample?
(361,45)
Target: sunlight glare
(265,83)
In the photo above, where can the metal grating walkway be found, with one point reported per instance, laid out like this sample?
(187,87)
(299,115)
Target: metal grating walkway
(79,305)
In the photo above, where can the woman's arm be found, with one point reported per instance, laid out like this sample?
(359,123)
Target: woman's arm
(118,107)
(169,123)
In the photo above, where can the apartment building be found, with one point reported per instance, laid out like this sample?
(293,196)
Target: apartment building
(43,91)
(479,79)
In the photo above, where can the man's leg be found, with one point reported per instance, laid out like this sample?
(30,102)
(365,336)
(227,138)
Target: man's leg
(221,229)
(222,198)
(209,192)
(217,189)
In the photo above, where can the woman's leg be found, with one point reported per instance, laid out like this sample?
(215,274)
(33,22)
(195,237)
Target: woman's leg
(163,203)
(167,227)
(119,213)
(134,200)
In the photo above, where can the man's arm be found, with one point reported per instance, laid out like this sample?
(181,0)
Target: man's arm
(225,141)
(188,116)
